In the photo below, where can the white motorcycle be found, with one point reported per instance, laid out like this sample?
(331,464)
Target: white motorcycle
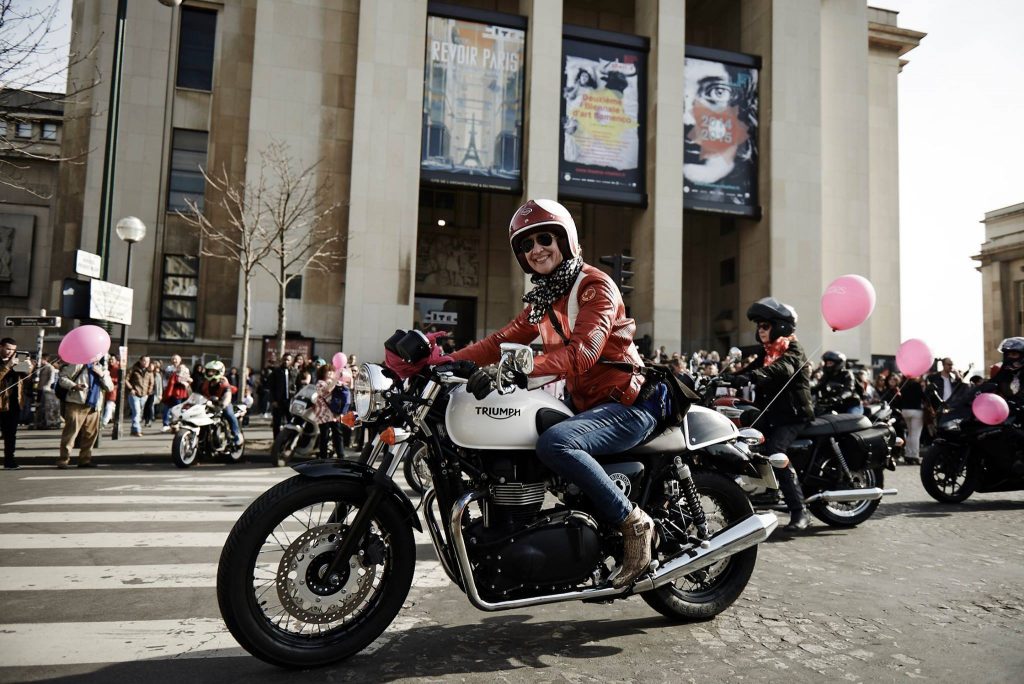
(319,565)
(202,431)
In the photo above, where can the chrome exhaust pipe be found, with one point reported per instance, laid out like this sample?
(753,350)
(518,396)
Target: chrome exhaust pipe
(743,535)
(850,495)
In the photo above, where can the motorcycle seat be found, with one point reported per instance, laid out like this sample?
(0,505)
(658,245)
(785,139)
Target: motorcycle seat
(835,425)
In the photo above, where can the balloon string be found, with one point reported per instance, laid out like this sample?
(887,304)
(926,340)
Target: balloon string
(10,387)
(777,394)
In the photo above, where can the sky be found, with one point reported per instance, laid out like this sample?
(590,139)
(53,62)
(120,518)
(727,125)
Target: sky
(960,103)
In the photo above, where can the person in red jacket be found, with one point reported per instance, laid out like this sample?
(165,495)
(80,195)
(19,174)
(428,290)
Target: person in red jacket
(578,312)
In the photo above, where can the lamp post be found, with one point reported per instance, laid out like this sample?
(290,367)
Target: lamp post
(130,230)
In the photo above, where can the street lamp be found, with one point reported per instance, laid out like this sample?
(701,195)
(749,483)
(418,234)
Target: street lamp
(130,230)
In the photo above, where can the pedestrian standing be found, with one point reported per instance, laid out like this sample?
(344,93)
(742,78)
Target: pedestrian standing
(12,396)
(48,415)
(110,396)
(177,389)
(85,385)
(911,404)
(280,391)
(139,385)
(155,394)
(327,420)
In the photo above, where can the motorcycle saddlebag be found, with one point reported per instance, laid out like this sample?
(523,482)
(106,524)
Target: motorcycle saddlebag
(866,448)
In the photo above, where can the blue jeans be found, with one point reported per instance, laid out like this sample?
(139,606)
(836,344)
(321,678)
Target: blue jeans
(135,405)
(568,449)
(229,413)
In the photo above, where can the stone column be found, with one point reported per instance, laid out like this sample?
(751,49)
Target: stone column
(383,207)
(657,245)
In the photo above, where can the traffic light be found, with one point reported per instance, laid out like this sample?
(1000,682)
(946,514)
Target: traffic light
(620,265)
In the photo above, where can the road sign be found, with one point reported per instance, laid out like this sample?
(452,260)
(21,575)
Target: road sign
(109,302)
(88,264)
(32,321)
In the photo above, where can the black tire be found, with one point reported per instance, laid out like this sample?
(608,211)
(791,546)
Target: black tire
(947,473)
(708,592)
(851,513)
(185,448)
(302,510)
(284,447)
(417,475)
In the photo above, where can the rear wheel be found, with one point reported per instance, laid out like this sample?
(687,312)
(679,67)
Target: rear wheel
(851,513)
(707,592)
(185,448)
(276,591)
(947,473)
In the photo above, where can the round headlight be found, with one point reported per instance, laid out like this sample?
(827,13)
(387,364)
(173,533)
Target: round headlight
(367,391)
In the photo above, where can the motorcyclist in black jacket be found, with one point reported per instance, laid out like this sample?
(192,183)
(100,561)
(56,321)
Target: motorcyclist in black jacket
(837,390)
(780,368)
(1009,384)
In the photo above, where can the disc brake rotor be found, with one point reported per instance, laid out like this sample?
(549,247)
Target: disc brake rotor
(305,588)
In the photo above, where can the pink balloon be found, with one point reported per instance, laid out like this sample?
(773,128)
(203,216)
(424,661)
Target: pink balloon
(914,357)
(990,409)
(339,361)
(847,302)
(84,344)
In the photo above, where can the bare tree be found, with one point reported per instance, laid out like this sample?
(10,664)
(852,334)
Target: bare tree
(36,62)
(243,239)
(303,235)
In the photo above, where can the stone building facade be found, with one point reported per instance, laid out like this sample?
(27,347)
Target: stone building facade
(1002,277)
(344,82)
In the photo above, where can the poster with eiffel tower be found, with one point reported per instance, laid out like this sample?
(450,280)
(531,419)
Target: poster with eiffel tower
(473,103)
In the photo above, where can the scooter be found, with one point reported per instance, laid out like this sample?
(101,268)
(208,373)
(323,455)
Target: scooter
(202,431)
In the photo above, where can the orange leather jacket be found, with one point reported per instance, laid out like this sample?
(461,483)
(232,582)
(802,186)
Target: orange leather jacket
(602,331)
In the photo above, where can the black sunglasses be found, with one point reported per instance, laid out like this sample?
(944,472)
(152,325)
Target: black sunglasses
(542,239)
(764,325)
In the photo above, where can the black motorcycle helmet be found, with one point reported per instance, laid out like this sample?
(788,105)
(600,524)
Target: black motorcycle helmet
(838,360)
(782,316)
(1012,349)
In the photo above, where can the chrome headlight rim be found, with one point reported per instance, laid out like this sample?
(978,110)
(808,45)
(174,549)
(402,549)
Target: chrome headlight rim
(368,389)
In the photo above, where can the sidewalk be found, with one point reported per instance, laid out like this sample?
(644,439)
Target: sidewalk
(41,447)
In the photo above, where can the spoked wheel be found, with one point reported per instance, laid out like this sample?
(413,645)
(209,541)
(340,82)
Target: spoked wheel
(850,513)
(947,473)
(185,448)
(277,593)
(284,447)
(707,592)
(417,473)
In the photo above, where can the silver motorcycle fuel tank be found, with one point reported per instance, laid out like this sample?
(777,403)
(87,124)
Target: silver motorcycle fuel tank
(499,421)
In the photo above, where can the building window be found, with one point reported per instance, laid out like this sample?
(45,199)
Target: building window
(3,129)
(180,296)
(188,154)
(293,290)
(49,131)
(23,129)
(195,48)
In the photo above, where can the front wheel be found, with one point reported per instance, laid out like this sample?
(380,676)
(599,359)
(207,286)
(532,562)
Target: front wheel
(185,448)
(947,474)
(707,592)
(284,447)
(275,589)
(417,473)
(851,513)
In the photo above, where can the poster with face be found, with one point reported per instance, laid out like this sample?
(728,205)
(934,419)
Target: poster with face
(472,104)
(720,127)
(602,122)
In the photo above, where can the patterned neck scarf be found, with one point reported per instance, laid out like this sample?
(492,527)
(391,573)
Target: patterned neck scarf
(776,348)
(552,287)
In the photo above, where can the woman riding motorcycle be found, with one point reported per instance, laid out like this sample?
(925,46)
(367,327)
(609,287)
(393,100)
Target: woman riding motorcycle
(578,312)
(782,417)
(216,388)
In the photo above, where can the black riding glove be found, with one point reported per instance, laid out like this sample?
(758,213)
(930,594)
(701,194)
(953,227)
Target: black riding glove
(460,369)
(740,381)
(482,382)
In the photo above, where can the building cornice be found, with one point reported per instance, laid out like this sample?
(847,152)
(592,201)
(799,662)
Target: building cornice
(898,40)
(1004,212)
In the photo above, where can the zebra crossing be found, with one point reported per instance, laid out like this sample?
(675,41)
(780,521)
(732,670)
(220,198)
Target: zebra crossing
(126,543)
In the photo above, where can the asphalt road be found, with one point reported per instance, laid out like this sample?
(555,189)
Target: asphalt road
(107,575)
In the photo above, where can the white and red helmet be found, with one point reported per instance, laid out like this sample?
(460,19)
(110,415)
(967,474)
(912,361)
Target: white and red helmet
(539,216)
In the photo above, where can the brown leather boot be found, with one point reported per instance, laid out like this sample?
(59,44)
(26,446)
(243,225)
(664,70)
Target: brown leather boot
(637,532)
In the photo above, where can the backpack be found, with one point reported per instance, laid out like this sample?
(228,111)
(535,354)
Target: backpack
(340,399)
(61,391)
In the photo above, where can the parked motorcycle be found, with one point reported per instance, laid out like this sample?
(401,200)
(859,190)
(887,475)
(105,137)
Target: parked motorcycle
(202,431)
(839,459)
(969,456)
(320,565)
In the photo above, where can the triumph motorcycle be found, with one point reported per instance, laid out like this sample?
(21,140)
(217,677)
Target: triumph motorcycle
(319,565)
(839,459)
(969,456)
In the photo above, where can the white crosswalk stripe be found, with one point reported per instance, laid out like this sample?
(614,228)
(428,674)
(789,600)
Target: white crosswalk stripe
(108,525)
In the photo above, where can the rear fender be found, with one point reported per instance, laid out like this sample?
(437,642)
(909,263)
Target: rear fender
(349,471)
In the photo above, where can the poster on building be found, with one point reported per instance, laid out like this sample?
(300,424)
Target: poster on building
(720,121)
(473,104)
(603,111)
